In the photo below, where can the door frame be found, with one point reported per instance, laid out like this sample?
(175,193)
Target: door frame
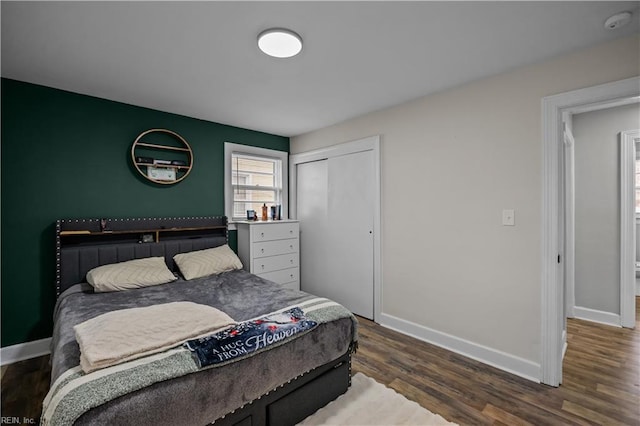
(552,312)
(371,143)
(628,141)
(569,198)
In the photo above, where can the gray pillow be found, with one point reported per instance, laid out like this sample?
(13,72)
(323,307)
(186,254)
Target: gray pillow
(136,273)
(200,263)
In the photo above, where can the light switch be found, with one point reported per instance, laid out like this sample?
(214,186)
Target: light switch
(508,217)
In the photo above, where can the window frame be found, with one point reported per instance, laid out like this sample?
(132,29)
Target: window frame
(270,154)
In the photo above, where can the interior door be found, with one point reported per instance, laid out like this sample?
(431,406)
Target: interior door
(312,212)
(351,230)
(335,207)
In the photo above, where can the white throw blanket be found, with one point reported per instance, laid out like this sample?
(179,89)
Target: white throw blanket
(128,334)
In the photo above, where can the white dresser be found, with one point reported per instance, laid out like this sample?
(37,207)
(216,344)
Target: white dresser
(271,250)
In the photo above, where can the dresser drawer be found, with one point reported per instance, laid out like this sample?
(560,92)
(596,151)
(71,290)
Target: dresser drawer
(274,263)
(284,276)
(271,250)
(274,248)
(274,231)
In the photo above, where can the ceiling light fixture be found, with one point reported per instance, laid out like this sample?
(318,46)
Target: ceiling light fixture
(280,43)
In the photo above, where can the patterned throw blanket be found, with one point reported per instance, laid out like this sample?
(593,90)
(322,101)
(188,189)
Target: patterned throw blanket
(75,392)
(249,336)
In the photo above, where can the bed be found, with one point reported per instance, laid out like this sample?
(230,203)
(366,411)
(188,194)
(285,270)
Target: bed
(276,385)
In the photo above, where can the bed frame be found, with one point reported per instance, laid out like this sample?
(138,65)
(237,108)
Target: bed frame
(83,244)
(294,401)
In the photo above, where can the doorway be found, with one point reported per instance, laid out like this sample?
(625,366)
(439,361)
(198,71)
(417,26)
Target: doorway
(552,268)
(603,215)
(335,194)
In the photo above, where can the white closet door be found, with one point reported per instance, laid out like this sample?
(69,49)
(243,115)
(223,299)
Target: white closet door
(312,194)
(335,205)
(351,231)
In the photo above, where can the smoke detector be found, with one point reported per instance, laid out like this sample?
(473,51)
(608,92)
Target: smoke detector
(617,21)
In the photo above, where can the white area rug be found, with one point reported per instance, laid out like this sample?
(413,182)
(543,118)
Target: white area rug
(369,403)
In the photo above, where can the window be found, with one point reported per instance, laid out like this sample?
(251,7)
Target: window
(254,177)
(255,181)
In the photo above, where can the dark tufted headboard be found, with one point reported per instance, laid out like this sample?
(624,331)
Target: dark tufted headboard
(83,244)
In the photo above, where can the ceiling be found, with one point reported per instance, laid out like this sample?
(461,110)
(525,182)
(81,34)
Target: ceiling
(200,59)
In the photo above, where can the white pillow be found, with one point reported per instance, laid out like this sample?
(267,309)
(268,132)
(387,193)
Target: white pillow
(130,274)
(200,263)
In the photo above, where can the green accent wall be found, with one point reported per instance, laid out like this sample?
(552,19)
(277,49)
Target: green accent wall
(65,155)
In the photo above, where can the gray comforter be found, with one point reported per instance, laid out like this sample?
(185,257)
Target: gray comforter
(201,397)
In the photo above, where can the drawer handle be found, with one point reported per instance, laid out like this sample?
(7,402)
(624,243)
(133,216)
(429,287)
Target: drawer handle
(291,246)
(262,266)
(291,260)
(291,275)
(291,231)
(262,250)
(262,234)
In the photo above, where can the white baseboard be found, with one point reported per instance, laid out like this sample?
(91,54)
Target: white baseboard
(593,315)
(22,351)
(504,361)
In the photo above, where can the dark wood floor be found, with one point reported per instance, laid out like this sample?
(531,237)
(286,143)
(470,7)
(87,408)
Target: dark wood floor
(24,386)
(601,380)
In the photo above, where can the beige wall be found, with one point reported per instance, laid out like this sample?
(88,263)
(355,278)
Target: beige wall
(597,205)
(456,159)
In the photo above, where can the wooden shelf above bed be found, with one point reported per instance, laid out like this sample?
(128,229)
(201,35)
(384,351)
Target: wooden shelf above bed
(137,234)
(151,230)
(133,231)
